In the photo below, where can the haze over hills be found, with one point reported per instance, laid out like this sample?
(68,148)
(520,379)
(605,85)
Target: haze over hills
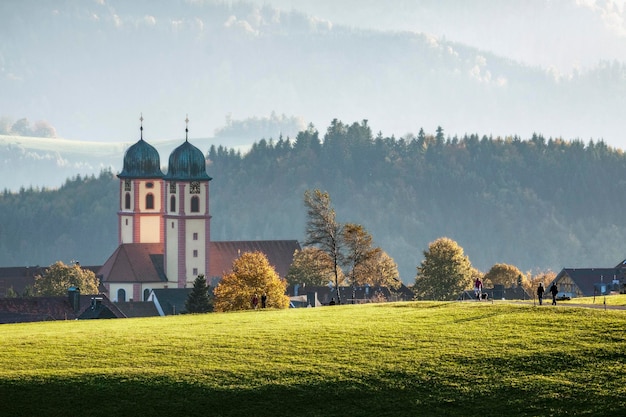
(243,71)
(48,162)
(90,68)
(560,35)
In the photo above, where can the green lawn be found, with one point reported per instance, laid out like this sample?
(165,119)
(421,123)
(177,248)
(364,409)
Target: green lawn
(609,300)
(405,359)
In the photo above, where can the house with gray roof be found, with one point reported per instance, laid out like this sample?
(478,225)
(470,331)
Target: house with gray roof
(74,306)
(587,282)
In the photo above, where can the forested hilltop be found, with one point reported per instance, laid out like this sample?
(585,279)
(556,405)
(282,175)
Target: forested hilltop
(535,203)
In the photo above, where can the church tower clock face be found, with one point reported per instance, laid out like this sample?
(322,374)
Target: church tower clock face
(194,188)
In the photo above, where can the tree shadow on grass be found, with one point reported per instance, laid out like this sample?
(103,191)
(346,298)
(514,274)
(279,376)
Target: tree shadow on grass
(391,394)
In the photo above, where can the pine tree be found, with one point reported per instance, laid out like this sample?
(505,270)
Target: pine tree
(199,300)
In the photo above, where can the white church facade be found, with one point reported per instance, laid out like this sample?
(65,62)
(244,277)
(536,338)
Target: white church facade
(164,227)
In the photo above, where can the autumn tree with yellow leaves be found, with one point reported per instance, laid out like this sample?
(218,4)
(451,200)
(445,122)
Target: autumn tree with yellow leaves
(444,272)
(251,275)
(59,277)
(311,266)
(504,274)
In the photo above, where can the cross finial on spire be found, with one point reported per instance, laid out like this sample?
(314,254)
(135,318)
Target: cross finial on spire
(141,128)
(186,127)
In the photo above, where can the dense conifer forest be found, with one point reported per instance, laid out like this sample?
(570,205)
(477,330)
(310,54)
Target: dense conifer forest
(535,203)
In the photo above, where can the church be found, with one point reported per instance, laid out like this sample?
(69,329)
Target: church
(164,227)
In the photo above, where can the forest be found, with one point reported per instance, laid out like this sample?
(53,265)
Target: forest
(539,204)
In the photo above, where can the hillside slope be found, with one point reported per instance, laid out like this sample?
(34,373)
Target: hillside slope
(376,360)
(535,203)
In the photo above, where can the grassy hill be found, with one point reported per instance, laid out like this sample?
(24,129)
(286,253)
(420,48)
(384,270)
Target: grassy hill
(370,360)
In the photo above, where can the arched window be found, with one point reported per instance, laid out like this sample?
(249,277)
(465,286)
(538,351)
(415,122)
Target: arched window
(173,204)
(195,204)
(127,201)
(146,294)
(121,295)
(149,201)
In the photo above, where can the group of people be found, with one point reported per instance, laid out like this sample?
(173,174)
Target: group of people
(478,290)
(255,301)
(553,290)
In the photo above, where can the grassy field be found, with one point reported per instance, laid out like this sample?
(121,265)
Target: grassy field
(600,300)
(406,359)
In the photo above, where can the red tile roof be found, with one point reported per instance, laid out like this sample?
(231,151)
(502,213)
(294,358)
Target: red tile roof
(143,262)
(19,277)
(279,253)
(134,262)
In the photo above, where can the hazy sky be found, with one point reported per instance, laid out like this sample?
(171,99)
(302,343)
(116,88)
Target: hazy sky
(91,67)
(535,32)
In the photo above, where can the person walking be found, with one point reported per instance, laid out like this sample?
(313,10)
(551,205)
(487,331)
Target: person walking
(540,291)
(554,291)
(255,301)
(478,288)
(264,300)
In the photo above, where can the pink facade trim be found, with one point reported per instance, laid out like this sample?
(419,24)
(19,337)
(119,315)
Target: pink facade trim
(182,249)
(163,212)
(137,292)
(136,210)
(207,234)
(182,232)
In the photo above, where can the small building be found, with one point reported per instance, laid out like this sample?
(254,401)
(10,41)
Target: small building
(587,282)
(74,306)
(170,301)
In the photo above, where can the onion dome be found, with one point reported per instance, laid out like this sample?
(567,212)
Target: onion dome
(187,163)
(141,160)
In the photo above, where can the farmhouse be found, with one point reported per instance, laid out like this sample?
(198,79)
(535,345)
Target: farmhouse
(587,282)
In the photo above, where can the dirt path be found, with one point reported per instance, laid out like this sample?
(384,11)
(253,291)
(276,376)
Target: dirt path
(548,304)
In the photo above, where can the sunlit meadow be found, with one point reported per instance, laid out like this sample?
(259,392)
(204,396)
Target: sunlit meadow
(395,359)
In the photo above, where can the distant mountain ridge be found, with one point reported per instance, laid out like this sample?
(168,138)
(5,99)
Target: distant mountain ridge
(86,66)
